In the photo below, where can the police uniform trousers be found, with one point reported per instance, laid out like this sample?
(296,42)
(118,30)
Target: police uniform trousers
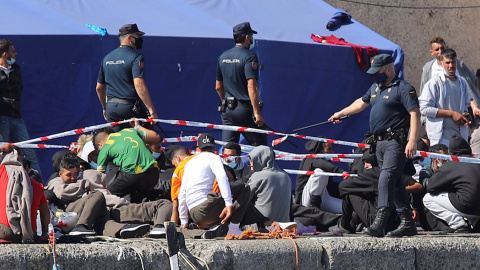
(121,109)
(391,188)
(242,116)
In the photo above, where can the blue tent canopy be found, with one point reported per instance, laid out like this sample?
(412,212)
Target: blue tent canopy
(301,82)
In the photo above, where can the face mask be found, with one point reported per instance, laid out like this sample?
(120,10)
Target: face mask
(232,165)
(439,164)
(447,75)
(425,162)
(156,155)
(93,165)
(379,78)
(138,43)
(11,61)
(252,44)
(80,175)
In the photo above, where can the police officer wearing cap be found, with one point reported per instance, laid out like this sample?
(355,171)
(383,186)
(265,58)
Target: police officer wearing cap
(121,86)
(236,84)
(394,120)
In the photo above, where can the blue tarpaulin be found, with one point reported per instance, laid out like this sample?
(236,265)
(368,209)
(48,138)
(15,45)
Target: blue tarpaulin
(301,82)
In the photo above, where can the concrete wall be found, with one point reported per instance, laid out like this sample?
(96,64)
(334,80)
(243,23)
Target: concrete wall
(412,28)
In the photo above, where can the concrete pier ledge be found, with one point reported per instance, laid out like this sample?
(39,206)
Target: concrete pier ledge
(316,252)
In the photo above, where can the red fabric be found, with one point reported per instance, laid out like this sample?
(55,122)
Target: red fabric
(38,199)
(357,49)
(3,200)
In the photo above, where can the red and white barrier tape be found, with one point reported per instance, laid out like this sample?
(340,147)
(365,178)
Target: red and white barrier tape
(319,173)
(181,139)
(247,129)
(302,156)
(72,132)
(346,160)
(447,157)
(40,146)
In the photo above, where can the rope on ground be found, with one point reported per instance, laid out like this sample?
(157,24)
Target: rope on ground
(296,253)
(121,254)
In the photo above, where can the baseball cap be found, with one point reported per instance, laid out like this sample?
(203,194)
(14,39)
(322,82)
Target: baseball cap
(206,140)
(130,29)
(243,28)
(379,61)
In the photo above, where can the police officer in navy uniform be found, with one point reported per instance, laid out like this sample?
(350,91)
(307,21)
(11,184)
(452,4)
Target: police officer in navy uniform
(395,111)
(236,84)
(121,86)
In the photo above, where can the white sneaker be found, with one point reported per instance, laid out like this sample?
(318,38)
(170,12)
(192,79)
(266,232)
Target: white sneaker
(234,229)
(158,231)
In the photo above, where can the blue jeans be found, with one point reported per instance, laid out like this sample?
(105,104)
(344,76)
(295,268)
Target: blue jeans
(391,188)
(13,129)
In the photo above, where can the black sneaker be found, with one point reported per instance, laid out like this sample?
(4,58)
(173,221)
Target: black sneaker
(337,229)
(81,230)
(158,231)
(215,231)
(134,230)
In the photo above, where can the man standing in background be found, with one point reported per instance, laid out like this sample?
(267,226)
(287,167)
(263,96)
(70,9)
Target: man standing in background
(12,126)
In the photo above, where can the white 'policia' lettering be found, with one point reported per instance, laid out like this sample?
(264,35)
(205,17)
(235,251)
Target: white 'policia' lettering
(230,61)
(118,62)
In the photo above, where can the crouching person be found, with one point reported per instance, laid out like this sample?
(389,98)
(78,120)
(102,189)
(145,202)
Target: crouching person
(79,196)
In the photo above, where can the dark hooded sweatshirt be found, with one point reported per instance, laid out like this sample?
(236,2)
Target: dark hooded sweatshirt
(460,180)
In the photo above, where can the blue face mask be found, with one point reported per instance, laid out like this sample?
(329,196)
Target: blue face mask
(156,155)
(447,75)
(93,165)
(439,164)
(379,78)
(11,61)
(252,44)
(425,162)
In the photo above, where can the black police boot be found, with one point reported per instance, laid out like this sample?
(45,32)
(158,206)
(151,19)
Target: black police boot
(377,229)
(407,226)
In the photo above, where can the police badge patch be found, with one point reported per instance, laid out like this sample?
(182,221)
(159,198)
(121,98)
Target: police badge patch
(254,65)
(141,64)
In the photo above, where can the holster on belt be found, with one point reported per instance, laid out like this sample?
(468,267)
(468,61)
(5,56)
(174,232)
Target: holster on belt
(232,103)
(372,141)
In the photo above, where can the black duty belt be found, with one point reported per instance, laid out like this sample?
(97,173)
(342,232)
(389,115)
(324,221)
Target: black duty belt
(392,134)
(122,101)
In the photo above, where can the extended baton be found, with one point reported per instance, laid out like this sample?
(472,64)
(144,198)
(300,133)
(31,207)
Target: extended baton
(322,123)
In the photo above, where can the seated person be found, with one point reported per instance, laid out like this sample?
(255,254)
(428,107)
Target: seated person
(270,185)
(452,191)
(137,172)
(237,164)
(208,208)
(18,221)
(79,196)
(312,197)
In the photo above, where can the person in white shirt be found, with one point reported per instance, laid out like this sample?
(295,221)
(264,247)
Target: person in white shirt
(207,208)
(444,102)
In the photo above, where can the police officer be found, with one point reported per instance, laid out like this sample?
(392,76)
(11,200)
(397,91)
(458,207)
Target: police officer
(394,111)
(236,84)
(120,84)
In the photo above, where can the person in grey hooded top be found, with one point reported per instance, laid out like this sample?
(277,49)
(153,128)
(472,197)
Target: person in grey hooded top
(270,185)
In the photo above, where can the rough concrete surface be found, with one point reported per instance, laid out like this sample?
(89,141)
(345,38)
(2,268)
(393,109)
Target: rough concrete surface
(412,24)
(319,252)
